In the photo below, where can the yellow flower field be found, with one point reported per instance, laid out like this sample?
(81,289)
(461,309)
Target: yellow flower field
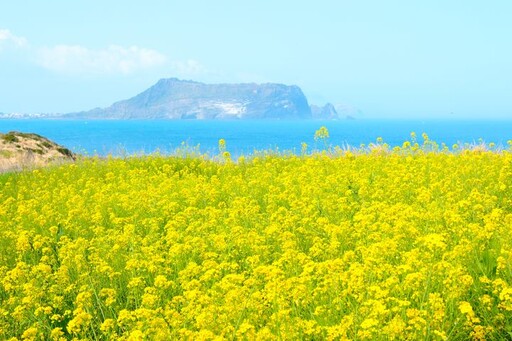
(381,244)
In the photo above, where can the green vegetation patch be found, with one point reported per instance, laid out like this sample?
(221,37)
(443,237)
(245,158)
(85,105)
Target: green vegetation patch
(14,136)
(37,151)
(46,144)
(29,136)
(66,152)
(6,154)
(10,137)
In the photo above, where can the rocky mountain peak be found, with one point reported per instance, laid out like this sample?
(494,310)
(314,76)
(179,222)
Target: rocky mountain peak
(172,98)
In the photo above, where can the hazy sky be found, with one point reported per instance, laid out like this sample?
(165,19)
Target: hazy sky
(388,58)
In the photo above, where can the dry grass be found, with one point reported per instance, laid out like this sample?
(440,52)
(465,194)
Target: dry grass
(20,151)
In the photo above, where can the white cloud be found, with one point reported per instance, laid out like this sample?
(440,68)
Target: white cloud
(114,59)
(76,59)
(7,36)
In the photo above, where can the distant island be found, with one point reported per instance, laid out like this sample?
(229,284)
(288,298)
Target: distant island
(173,98)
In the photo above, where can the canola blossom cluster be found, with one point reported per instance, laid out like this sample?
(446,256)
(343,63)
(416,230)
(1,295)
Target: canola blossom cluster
(380,243)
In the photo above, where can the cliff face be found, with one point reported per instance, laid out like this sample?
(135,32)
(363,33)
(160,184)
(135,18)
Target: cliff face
(176,99)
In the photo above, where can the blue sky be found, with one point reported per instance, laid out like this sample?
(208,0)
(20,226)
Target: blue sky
(394,58)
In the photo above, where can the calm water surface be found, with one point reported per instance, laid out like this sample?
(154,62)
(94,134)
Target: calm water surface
(243,137)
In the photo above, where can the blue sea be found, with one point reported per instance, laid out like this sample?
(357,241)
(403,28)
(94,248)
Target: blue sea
(98,137)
